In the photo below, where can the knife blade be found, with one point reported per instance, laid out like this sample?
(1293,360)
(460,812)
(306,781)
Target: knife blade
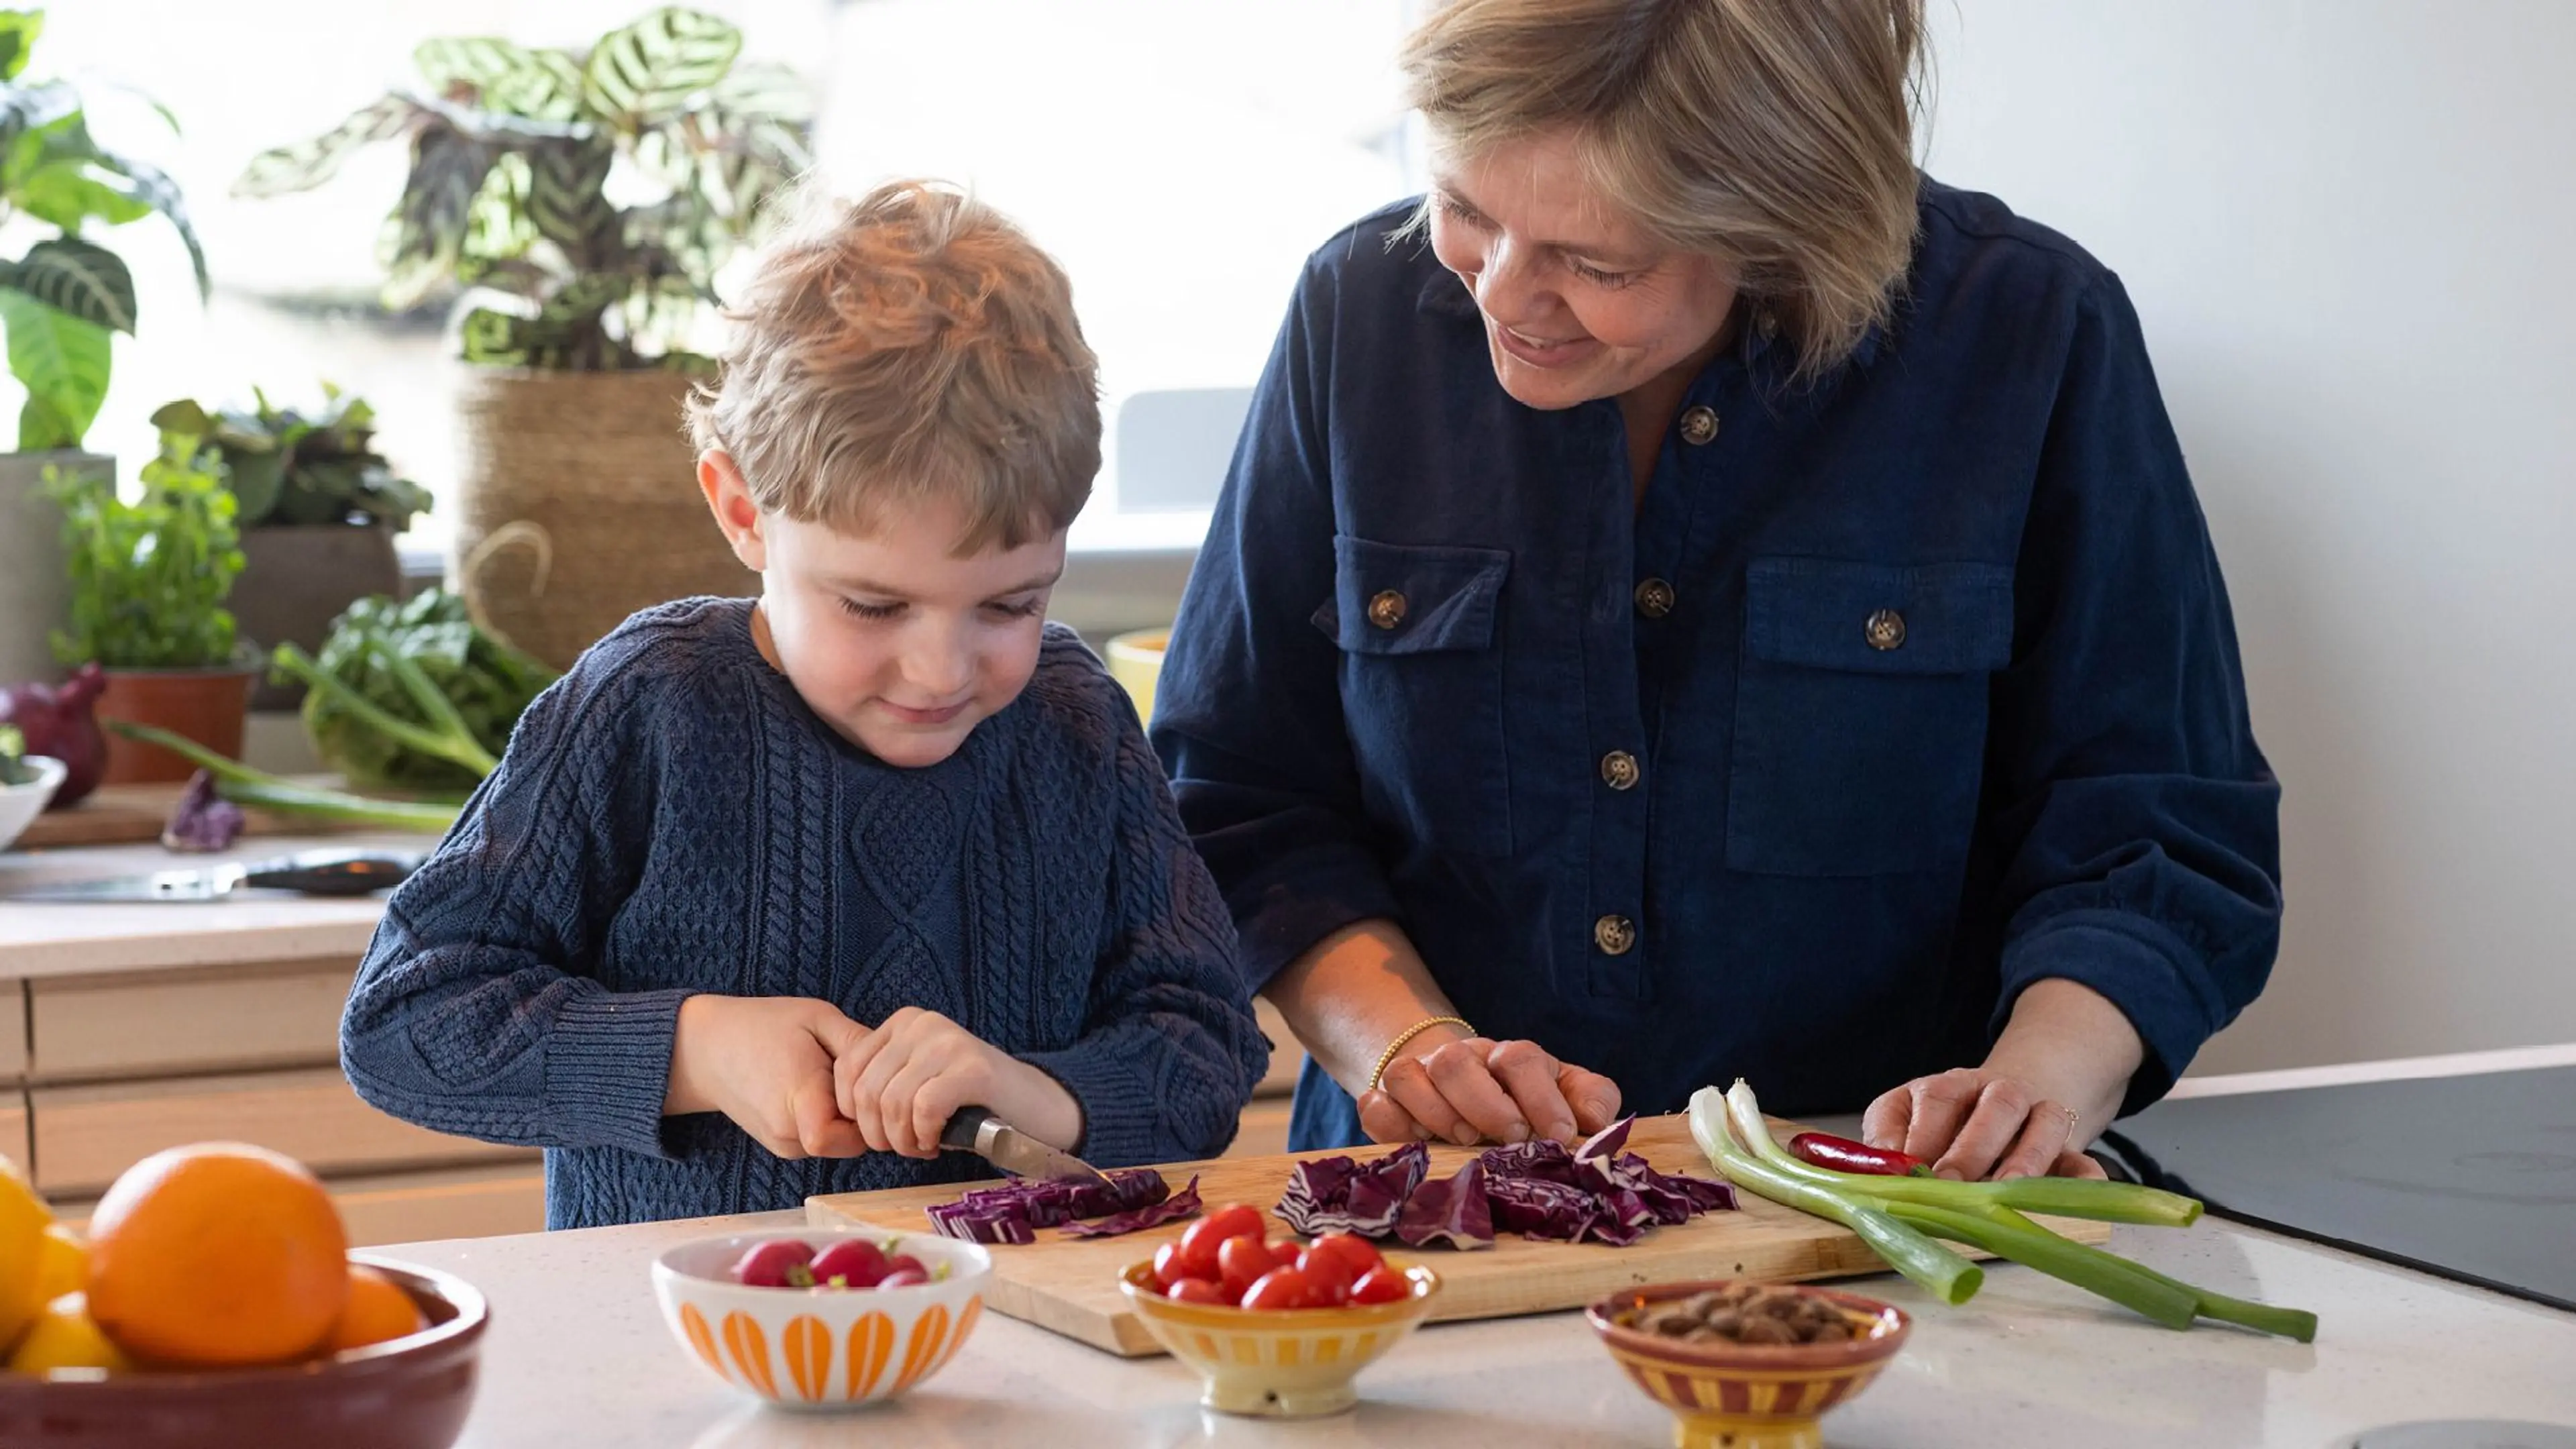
(976,1130)
(324,872)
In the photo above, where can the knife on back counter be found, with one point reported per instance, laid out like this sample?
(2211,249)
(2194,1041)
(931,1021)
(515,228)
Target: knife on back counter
(325,872)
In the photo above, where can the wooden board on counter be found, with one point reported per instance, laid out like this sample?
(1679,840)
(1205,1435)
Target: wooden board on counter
(1070,1286)
(134,814)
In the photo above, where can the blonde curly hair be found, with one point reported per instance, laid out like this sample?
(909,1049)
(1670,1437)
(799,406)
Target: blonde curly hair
(911,346)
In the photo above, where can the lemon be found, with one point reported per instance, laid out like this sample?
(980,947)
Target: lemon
(23,1220)
(60,1263)
(64,1338)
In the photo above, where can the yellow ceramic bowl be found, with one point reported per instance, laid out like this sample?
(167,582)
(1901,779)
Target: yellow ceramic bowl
(1136,662)
(821,1348)
(1284,1364)
(1746,1395)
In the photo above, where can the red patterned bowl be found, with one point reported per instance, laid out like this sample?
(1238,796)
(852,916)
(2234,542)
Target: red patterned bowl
(1748,1395)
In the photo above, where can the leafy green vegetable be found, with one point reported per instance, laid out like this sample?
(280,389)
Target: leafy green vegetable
(413,696)
(149,578)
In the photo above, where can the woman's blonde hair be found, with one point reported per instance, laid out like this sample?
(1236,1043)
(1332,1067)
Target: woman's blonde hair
(911,346)
(1777,134)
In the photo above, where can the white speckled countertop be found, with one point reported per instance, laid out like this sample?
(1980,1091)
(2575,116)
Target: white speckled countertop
(578,1355)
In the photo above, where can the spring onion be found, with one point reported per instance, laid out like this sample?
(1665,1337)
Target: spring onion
(243,785)
(1942,1273)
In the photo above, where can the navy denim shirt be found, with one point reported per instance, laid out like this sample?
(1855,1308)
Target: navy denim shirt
(1899,691)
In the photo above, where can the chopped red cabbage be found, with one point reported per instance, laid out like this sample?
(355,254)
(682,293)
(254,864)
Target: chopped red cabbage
(1340,1195)
(1179,1205)
(1451,1210)
(202,820)
(1010,1212)
(1541,1190)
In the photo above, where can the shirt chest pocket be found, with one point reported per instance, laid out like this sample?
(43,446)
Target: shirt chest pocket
(1860,714)
(1422,687)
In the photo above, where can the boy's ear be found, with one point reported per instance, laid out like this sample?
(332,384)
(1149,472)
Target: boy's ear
(730,500)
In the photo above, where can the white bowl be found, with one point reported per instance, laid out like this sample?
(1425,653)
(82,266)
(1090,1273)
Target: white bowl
(821,1348)
(21,804)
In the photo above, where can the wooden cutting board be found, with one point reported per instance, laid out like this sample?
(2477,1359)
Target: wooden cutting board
(134,815)
(1070,1285)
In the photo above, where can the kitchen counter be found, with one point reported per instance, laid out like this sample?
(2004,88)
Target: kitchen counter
(50,939)
(578,1355)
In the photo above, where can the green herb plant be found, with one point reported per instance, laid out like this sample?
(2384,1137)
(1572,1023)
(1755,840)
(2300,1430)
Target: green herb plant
(1900,1217)
(291,467)
(149,577)
(516,153)
(65,295)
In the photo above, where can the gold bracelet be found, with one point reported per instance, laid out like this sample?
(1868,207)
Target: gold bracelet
(1386,1058)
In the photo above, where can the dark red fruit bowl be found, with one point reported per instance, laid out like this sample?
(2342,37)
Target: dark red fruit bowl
(410,1393)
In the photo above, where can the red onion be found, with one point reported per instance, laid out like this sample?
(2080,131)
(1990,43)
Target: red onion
(56,720)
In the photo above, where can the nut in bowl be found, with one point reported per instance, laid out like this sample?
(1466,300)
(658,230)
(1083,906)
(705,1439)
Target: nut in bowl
(1288,1363)
(1748,1365)
(855,1316)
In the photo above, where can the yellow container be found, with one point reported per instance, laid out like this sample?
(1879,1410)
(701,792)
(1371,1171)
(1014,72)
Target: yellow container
(1136,661)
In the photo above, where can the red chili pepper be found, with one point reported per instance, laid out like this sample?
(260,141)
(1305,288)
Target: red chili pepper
(1841,1154)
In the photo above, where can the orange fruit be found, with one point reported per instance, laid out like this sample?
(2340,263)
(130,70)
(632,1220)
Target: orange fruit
(64,1337)
(378,1310)
(216,1255)
(62,1264)
(23,1220)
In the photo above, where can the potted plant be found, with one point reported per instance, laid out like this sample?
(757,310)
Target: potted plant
(577,504)
(61,299)
(148,582)
(319,509)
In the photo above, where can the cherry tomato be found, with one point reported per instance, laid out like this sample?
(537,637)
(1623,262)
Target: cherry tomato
(1196,1290)
(1328,1277)
(1233,1220)
(1241,1262)
(1281,1288)
(1353,1250)
(901,1261)
(1167,1266)
(1381,1285)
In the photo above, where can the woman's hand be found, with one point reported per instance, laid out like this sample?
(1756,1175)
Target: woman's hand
(1465,1089)
(905,1079)
(2054,1079)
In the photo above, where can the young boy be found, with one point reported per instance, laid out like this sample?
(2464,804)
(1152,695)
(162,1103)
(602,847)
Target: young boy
(764,890)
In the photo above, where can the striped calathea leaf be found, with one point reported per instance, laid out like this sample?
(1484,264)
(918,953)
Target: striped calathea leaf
(643,72)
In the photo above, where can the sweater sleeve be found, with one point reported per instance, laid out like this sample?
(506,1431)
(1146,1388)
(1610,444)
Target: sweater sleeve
(472,1012)
(1170,1052)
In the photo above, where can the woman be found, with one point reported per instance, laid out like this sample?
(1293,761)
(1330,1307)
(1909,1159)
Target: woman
(1696,598)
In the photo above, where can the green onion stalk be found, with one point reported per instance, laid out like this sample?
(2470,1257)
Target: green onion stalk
(243,785)
(1990,1216)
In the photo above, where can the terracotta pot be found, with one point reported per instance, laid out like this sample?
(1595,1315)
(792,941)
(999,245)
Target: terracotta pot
(209,706)
(296,578)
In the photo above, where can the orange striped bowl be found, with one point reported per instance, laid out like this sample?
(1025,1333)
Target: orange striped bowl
(822,1348)
(1750,1395)
(1283,1364)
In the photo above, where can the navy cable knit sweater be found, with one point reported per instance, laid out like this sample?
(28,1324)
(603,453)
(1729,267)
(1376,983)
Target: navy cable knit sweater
(670,819)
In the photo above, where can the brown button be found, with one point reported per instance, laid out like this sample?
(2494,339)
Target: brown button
(1619,770)
(1654,598)
(1699,425)
(1387,609)
(1885,629)
(1615,935)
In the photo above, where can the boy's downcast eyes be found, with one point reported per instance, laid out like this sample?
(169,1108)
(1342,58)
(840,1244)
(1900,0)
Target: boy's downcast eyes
(1009,609)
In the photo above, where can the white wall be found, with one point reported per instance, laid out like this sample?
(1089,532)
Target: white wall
(2350,228)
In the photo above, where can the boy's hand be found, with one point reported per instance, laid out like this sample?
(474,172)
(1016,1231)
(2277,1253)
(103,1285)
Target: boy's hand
(766,1062)
(910,1075)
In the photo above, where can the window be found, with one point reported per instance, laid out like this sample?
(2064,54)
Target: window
(1181,157)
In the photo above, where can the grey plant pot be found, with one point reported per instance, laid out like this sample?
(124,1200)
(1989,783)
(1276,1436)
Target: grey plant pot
(35,599)
(296,578)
